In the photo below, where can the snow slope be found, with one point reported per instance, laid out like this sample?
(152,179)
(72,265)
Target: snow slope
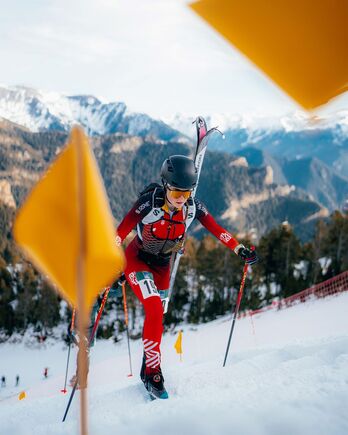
(287,373)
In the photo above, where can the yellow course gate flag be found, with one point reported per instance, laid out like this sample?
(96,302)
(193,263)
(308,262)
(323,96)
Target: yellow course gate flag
(301,45)
(66,219)
(22,395)
(178,343)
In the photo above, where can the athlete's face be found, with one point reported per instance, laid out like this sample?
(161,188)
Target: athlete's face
(177,197)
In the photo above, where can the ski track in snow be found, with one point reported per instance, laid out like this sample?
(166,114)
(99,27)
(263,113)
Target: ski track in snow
(290,377)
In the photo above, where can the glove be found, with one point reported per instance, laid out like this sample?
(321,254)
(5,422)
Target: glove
(116,286)
(246,254)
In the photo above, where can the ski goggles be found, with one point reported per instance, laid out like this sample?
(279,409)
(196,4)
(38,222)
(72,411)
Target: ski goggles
(177,193)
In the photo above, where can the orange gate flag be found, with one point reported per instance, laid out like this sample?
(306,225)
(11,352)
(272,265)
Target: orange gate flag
(301,45)
(67,218)
(178,344)
(22,395)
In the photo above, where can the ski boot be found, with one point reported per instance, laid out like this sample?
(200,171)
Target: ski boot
(153,381)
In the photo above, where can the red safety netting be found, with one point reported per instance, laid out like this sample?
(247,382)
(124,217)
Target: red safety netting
(337,284)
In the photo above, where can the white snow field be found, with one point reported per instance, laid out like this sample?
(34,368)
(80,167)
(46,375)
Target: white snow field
(290,377)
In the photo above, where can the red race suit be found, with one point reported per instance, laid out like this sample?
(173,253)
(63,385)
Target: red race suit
(160,232)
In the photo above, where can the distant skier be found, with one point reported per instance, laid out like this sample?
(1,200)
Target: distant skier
(17,380)
(46,372)
(162,216)
(3,381)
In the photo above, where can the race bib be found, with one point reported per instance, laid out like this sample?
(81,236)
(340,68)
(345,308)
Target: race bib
(147,285)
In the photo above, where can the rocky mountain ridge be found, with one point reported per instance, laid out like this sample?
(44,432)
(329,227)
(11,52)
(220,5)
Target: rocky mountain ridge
(286,145)
(310,174)
(242,198)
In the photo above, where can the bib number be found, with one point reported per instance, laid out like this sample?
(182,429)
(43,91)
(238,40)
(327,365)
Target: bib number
(148,288)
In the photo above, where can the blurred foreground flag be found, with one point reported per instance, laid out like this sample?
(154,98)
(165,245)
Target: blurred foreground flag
(65,226)
(301,45)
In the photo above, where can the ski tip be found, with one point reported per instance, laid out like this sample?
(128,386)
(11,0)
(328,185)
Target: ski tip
(158,396)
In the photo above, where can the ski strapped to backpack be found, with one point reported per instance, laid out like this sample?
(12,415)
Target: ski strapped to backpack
(203,136)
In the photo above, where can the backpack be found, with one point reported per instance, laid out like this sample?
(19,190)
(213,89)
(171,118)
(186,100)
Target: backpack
(150,188)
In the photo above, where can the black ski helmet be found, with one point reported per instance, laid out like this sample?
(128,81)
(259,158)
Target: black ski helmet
(179,171)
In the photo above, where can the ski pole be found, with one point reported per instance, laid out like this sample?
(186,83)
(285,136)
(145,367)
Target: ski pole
(239,298)
(64,390)
(91,338)
(101,308)
(126,322)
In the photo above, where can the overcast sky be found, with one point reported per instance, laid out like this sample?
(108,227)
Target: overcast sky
(155,55)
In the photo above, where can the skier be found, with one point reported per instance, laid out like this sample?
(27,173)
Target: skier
(162,216)
(3,381)
(45,372)
(17,380)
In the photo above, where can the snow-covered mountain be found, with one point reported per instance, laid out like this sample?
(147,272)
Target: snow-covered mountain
(308,152)
(44,111)
(255,124)
(236,194)
(293,138)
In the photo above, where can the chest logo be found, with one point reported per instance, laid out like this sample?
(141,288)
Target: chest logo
(142,206)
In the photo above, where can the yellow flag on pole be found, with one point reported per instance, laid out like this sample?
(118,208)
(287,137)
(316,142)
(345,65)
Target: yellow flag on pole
(66,218)
(301,45)
(65,227)
(178,344)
